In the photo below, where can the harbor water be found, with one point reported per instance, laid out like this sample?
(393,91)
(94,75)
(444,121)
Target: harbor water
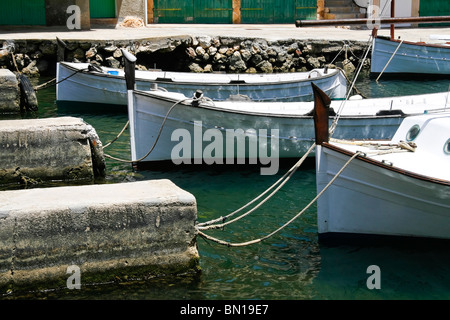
(292,264)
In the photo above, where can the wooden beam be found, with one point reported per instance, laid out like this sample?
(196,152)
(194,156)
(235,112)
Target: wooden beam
(236,11)
(150,6)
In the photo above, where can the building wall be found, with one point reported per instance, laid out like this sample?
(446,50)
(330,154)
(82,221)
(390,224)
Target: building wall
(230,11)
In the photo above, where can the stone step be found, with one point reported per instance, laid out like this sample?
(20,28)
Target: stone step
(342,9)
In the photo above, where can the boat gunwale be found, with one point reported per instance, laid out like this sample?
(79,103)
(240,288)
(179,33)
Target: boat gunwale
(307,115)
(386,166)
(335,72)
(422,44)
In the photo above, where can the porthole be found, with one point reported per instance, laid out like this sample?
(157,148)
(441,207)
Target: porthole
(447,147)
(413,133)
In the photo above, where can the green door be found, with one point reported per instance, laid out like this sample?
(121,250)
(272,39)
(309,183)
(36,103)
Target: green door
(277,11)
(102,8)
(305,10)
(257,11)
(283,11)
(434,8)
(22,12)
(173,11)
(213,11)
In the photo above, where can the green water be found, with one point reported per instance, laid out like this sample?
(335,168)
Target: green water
(292,265)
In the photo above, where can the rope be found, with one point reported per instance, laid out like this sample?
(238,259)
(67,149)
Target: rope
(46,84)
(118,136)
(338,114)
(285,177)
(157,138)
(392,57)
(242,244)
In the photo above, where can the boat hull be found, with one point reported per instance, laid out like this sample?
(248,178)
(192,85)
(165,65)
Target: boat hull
(373,199)
(410,59)
(90,87)
(295,133)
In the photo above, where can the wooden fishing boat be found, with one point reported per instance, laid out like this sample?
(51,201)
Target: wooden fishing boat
(394,57)
(159,115)
(395,187)
(76,82)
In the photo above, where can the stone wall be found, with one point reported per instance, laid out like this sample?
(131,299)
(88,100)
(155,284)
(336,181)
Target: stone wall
(200,54)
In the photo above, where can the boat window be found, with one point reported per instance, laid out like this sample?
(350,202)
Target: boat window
(447,147)
(413,133)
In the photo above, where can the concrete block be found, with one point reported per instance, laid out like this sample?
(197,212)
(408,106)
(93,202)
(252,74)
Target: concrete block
(110,231)
(48,149)
(9,92)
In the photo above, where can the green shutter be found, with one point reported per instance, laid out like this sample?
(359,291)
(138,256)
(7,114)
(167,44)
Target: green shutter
(22,12)
(102,8)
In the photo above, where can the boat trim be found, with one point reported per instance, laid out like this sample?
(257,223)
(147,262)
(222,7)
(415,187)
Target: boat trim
(307,115)
(386,166)
(331,73)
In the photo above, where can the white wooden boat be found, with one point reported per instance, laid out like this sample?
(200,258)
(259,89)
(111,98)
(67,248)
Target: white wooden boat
(76,83)
(149,111)
(393,57)
(387,190)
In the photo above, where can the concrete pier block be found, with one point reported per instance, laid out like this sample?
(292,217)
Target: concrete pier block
(48,149)
(9,92)
(109,231)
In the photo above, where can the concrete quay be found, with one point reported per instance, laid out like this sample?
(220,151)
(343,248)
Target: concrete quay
(63,148)
(10,92)
(66,236)
(270,32)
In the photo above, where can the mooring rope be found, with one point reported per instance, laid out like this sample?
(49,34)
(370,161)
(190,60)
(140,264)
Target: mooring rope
(118,136)
(242,244)
(157,137)
(47,84)
(341,107)
(284,179)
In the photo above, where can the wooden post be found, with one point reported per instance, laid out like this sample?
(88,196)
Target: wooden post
(85,14)
(320,9)
(150,6)
(129,68)
(321,110)
(236,11)
(392,16)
